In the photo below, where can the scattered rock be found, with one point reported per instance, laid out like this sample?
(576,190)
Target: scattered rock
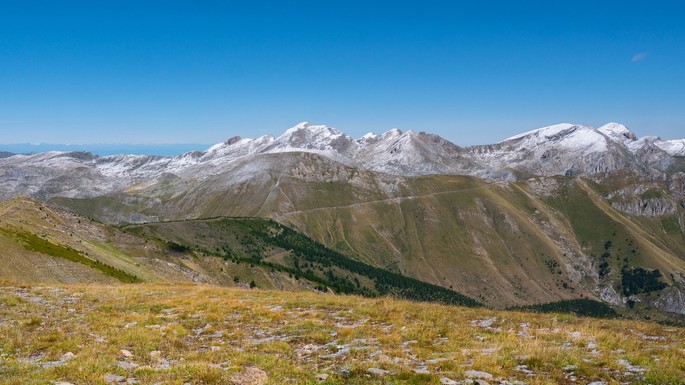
(155,354)
(434,361)
(126,353)
(63,383)
(480,381)
(490,351)
(251,375)
(342,350)
(383,358)
(35,357)
(598,383)
(630,367)
(524,369)
(126,365)
(421,370)
(652,338)
(478,374)
(163,364)
(322,376)
(66,357)
(485,323)
(201,330)
(114,379)
(378,371)
(447,381)
(307,349)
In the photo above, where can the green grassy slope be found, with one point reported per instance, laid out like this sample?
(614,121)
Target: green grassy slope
(55,246)
(504,244)
(261,242)
(42,244)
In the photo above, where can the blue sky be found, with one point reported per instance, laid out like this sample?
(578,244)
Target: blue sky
(201,72)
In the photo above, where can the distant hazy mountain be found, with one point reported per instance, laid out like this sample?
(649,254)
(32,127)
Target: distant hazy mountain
(104,149)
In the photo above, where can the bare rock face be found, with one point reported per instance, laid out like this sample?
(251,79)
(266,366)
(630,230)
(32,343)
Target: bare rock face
(652,207)
(646,199)
(672,300)
(675,185)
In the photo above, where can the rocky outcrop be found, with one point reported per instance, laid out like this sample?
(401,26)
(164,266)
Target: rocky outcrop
(652,207)
(645,199)
(671,299)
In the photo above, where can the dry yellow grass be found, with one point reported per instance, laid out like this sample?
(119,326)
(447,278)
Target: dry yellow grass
(211,335)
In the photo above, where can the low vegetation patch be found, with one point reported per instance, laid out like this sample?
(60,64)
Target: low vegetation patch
(639,280)
(580,307)
(35,243)
(255,240)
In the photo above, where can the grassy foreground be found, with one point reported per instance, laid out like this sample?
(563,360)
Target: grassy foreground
(211,335)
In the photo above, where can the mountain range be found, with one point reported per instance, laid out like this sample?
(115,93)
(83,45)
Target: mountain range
(562,212)
(562,149)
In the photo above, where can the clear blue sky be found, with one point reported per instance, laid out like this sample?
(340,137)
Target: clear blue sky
(202,71)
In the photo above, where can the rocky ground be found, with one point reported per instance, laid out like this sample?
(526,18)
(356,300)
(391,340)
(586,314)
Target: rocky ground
(140,334)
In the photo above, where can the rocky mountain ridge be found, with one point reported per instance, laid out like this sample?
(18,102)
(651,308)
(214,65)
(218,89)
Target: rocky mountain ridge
(562,149)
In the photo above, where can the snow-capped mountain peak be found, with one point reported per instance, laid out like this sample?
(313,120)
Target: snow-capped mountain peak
(309,132)
(297,127)
(576,138)
(542,132)
(618,132)
(368,136)
(315,138)
(561,149)
(392,133)
(237,147)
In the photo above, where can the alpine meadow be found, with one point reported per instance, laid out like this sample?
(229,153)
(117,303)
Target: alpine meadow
(484,193)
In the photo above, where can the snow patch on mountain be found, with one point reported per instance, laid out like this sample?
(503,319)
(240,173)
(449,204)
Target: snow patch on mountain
(544,131)
(618,133)
(235,148)
(572,137)
(672,147)
(319,139)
